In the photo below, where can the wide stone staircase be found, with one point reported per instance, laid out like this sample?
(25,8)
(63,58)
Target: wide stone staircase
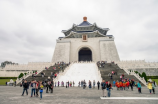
(109,67)
(38,77)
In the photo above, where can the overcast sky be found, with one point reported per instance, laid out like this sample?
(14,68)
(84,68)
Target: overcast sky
(29,28)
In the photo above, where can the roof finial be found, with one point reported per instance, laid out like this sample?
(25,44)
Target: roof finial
(84,18)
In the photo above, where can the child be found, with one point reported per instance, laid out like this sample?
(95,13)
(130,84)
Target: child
(41,90)
(139,87)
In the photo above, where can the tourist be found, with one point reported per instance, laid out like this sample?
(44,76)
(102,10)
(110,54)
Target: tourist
(111,76)
(121,85)
(117,85)
(58,83)
(84,84)
(25,87)
(93,83)
(123,75)
(33,86)
(41,90)
(103,84)
(132,84)
(139,87)
(108,88)
(90,86)
(79,84)
(15,84)
(47,86)
(68,84)
(51,86)
(153,87)
(127,85)
(37,87)
(149,85)
(114,83)
(124,84)
(98,83)
(73,83)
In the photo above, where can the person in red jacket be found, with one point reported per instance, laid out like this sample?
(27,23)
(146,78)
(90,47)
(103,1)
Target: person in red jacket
(127,85)
(117,85)
(121,85)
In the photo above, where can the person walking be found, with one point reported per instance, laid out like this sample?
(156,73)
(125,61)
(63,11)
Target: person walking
(114,83)
(25,87)
(132,84)
(98,83)
(84,84)
(68,84)
(37,88)
(109,88)
(153,87)
(41,90)
(149,85)
(73,83)
(79,84)
(93,83)
(89,84)
(58,83)
(33,86)
(103,84)
(139,87)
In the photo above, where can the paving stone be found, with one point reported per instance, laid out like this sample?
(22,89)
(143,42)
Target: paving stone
(73,95)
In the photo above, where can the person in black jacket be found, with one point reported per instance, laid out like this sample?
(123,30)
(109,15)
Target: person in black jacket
(98,83)
(132,84)
(25,87)
(108,86)
(103,84)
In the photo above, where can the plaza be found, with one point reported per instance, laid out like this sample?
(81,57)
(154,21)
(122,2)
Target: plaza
(76,95)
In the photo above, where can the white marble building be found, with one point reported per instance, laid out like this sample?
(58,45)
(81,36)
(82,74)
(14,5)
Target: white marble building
(85,42)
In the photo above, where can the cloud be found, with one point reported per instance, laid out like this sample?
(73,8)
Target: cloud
(29,29)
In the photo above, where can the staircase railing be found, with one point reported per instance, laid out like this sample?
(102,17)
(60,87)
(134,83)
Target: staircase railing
(29,73)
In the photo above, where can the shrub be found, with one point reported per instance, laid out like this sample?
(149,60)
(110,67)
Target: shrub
(144,75)
(21,75)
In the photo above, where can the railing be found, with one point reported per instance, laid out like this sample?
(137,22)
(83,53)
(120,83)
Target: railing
(136,75)
(29,73)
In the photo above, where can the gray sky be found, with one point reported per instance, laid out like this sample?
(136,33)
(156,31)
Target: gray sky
(29,28)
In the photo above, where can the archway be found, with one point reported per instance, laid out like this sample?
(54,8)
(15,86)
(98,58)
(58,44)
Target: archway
(85,54)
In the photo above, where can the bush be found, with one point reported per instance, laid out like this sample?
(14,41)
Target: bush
(152,77)
(21,75)
(144,75)
(136,72)
(8,77)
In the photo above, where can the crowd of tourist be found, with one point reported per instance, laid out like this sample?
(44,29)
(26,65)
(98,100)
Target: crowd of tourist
(101,64)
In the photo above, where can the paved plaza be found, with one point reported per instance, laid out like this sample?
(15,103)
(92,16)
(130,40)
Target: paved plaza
(75,95)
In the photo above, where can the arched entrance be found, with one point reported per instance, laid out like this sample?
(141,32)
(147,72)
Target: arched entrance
(85,54)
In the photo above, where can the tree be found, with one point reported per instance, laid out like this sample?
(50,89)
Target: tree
(21,75)
(144,75)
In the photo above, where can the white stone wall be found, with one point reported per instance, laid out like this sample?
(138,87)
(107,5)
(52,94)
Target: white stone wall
(15,70)
(102,48)
(61,52)
(150,68)
(108,51)
(11,73)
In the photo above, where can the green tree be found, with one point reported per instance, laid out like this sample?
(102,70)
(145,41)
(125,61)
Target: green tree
(144,75)
(21,75)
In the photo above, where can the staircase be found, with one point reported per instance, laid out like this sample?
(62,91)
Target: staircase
(81,71)
(108,68)
(47,72)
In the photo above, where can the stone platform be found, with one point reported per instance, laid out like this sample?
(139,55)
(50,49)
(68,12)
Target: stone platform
(75,95)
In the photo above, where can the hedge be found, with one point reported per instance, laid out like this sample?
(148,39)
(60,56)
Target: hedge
(152,77)
(8,77)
